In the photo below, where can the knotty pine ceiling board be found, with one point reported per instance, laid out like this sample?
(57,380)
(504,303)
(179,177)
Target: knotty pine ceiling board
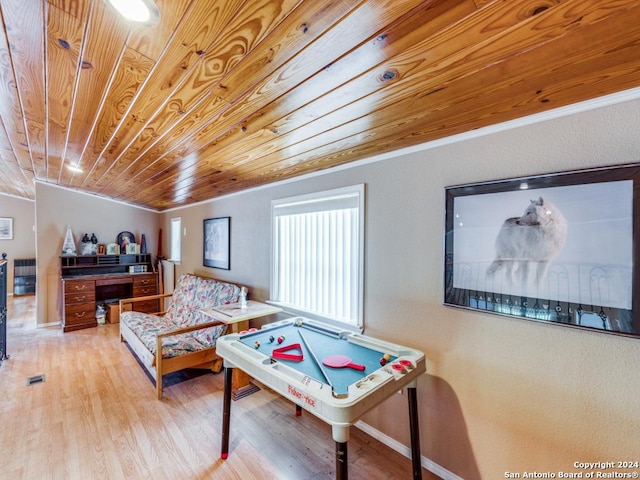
(436,115)
(256,94)
(290,112)
(63,46)
(195,77)
(419,61)
(132,70)
(224,95)
(24,30)
(96,75)
(13,137)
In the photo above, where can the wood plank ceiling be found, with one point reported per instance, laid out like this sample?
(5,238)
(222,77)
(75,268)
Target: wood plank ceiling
(224,95)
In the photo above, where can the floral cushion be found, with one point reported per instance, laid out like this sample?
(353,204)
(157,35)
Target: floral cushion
(146,326)
(191,294)
(210,293)
(206,336)
(182,297)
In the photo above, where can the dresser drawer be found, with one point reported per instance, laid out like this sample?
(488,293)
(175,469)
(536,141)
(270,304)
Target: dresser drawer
(80,297)
(79,286)
(144,281)
(144,291)
(79,313)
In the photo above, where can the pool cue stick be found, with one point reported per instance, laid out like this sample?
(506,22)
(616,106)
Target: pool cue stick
(315,359)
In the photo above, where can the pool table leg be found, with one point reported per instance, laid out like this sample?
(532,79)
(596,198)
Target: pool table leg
(340,434)
(342,465)
(415,434)
(226,412)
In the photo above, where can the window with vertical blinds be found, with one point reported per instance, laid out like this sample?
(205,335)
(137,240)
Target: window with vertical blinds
(317,263)
(175,247)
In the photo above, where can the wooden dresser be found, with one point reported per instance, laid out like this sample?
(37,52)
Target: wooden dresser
(87,281)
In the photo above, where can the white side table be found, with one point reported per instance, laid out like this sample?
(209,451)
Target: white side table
(237,318)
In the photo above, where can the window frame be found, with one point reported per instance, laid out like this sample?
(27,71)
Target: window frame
(175,237)
(317,197)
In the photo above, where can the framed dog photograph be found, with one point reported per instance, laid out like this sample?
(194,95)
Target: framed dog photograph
(217,246)
(556,248)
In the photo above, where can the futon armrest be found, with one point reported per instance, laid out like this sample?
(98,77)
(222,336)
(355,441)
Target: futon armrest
(178,331)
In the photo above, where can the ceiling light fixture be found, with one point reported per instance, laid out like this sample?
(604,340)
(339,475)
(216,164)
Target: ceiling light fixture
(144,12)
(75,168)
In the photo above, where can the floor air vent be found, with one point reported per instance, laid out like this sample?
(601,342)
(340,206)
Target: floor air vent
(35,379)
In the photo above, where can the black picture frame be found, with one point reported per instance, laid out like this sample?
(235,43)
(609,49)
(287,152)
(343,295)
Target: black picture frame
(216,243)
(6,228)
(557,248)
(124,239)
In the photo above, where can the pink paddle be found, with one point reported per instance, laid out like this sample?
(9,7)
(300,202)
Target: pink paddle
(341,361)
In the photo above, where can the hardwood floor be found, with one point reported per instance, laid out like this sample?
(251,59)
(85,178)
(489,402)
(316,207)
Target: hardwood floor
(96,417)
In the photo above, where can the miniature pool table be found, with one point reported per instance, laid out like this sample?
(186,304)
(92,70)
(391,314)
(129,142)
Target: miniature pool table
(289,357)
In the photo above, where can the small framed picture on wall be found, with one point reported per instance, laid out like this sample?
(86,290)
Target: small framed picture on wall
(216,243)
(6,228)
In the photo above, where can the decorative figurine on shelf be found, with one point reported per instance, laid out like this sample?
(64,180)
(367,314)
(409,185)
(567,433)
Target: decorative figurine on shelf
(87,247)
(143,244)
(69,245)
(94,244)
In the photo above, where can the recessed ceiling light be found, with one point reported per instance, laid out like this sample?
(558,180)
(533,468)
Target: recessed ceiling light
(144,12)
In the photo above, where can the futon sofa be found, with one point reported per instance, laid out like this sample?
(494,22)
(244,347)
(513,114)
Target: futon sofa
(183,336)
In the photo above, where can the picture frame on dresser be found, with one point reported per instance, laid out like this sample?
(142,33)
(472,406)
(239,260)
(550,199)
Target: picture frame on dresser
(555,248)
(6,228)
(216,243)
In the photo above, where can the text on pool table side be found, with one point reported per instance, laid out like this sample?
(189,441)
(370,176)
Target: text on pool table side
(302,396)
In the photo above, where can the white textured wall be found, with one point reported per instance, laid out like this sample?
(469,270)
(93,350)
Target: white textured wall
(501,394)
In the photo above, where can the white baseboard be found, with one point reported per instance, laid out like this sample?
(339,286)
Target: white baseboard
(48,324)
(406,451)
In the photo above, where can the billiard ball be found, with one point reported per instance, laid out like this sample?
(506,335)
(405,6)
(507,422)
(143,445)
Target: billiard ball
(383,362)
(257,344)
(299,322)
(281,339)
(387,357)
(271,339)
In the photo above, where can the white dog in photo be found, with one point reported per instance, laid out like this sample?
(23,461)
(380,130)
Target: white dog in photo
(525,245)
